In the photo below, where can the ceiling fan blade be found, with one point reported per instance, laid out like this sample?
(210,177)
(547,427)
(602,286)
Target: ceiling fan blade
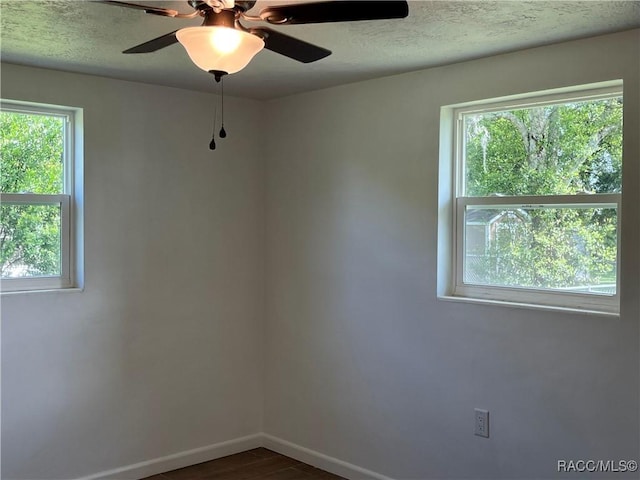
(335,11)
(164,12)
(291,47)
(155,44)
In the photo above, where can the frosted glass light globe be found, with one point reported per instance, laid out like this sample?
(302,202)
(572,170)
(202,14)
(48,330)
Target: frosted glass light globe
(218,48)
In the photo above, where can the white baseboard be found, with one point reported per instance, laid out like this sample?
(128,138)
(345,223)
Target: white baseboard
(222,449)
(180,459)
(320,460)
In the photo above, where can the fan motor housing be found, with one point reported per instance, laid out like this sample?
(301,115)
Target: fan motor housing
(239,5)
(226,18)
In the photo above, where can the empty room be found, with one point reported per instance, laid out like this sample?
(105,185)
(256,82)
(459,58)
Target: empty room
(293,239)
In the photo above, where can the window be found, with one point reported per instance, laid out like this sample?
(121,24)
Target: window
(38,196)
(537,191)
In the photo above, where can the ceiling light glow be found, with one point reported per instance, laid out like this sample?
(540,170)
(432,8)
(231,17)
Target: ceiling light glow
(225,40)
(218,48)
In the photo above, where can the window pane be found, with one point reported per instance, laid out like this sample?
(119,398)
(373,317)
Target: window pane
(548,150)
(30,239)
(566,249)
(31,153)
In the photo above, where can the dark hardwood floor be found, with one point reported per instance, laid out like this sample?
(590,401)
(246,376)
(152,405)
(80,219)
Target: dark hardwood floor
(255,464)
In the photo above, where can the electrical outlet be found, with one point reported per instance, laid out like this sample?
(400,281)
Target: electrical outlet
(482,422)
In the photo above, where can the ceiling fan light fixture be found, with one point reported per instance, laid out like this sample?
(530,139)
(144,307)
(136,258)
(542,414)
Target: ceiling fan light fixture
(218,48)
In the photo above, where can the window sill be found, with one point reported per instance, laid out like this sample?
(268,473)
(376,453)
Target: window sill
(44,291)
(528,306)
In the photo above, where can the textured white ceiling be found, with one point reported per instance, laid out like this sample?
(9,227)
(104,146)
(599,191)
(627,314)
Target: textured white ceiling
(88,37)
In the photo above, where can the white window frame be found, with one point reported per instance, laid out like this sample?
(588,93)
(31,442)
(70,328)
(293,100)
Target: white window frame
(522,295)
(66,201)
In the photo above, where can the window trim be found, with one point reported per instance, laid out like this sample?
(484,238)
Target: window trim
(453,202)
(68,202)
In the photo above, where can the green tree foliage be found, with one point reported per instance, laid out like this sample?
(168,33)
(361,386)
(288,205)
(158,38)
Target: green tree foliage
(31,161)
(551,150)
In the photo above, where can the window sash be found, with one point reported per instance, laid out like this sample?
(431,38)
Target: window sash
(68,132)
(596,200)
(532,295)
(531,101)
(63,280)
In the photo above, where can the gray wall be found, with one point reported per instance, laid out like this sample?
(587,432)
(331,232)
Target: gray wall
(364,364)
(162,351)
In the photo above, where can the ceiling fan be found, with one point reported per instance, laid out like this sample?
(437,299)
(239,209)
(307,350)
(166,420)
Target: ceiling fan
(223,45)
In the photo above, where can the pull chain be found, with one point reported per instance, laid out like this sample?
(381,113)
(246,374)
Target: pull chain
(223,132)
(218,75)
(212,143)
